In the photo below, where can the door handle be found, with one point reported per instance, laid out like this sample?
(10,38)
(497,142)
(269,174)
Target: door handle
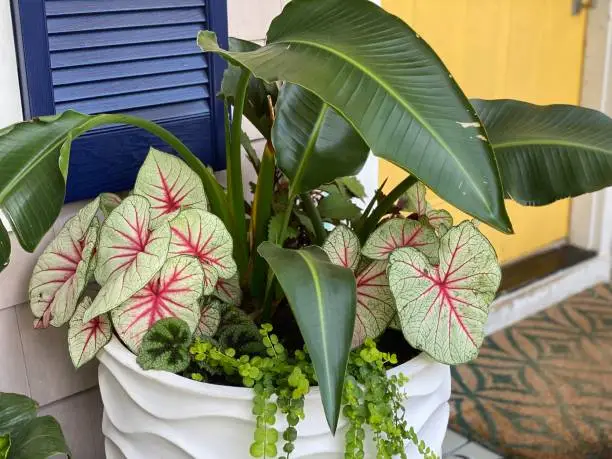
(579,5)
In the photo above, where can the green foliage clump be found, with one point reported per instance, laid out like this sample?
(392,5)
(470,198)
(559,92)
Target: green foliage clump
(281,381)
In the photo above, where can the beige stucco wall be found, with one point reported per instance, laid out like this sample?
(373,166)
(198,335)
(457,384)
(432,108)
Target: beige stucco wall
(36,362)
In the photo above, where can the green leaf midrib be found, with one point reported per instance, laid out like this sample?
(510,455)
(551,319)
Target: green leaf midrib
(551,143)
(396,96)
(311,267)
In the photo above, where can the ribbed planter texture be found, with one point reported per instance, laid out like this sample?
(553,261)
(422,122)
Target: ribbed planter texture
(153,414)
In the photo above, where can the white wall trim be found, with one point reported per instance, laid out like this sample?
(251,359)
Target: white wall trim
(10,93)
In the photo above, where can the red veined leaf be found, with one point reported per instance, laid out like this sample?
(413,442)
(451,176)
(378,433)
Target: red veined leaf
(443,309)
(210,317)
(375,304)
(108,203)
(62,271)
(400,232)
(129,254)
(202,235)
(85,339)
(343,248)
(174,292)
(229,291)
(413,200)
(170,185)
(440,220)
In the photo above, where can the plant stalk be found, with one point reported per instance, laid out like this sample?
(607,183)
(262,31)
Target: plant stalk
(315,218)
(214,191)
(234,176)
(385,205)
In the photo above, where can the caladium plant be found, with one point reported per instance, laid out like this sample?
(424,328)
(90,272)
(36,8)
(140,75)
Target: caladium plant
(180,246)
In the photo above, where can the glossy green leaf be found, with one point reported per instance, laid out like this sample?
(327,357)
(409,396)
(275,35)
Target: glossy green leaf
(32,186)
(546,153)
(396,93)
(323,298)
(257,108)
(443,308)
(166,346)
(336,145)
(338,207)
(15,409)
(40,438)
(5,446)
(353,185)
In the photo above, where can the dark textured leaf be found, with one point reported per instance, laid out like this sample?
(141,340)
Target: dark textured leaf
(394,91)
(166,346)
(546,153)
(256,108)
(336,144)
(238,331)
(323,300)
(40,438)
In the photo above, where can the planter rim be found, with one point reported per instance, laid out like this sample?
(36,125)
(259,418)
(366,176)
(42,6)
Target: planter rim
(115,350)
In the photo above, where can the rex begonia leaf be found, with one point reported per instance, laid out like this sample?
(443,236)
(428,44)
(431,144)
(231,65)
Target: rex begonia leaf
(443,309)
(170,185)
(228,290)
(129,254)
(85,339)
(400,232)
(166,346)
(61,273)
(204,236)
(210,318)
(343,248)
(108,203)
(375,304)
(174,292)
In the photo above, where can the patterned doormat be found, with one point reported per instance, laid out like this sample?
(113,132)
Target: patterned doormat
(542,388)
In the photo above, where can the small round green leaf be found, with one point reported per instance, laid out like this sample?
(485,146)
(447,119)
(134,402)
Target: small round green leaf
(443,309)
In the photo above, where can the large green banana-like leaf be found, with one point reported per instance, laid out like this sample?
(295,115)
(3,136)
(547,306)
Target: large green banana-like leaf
(550,152)
(336,150)
(32,184)
(389,84)
(34,164)
(323,300)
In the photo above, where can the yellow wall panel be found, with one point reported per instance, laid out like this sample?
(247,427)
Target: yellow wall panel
(523,49)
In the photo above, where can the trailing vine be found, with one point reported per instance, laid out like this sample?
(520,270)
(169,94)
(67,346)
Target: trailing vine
(281,381)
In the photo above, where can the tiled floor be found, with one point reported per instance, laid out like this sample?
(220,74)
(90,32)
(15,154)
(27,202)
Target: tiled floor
(457,447)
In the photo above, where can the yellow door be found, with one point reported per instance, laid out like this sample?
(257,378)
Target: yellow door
(521,49)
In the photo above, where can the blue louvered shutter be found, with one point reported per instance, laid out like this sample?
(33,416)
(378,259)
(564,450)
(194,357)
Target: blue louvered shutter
(131,56)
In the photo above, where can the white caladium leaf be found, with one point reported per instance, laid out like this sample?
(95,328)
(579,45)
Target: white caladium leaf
(440,220)
(229,291)
(129,254)
(202,235)
(443,309)
(402,232)
(174,292)
(85,339)
(375,304)
(62,271)
(343,248)
(413,200)
(108,203)
(170,185)
(210,318)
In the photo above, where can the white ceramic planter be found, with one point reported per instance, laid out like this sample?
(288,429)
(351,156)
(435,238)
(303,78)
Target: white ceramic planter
(152,414)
